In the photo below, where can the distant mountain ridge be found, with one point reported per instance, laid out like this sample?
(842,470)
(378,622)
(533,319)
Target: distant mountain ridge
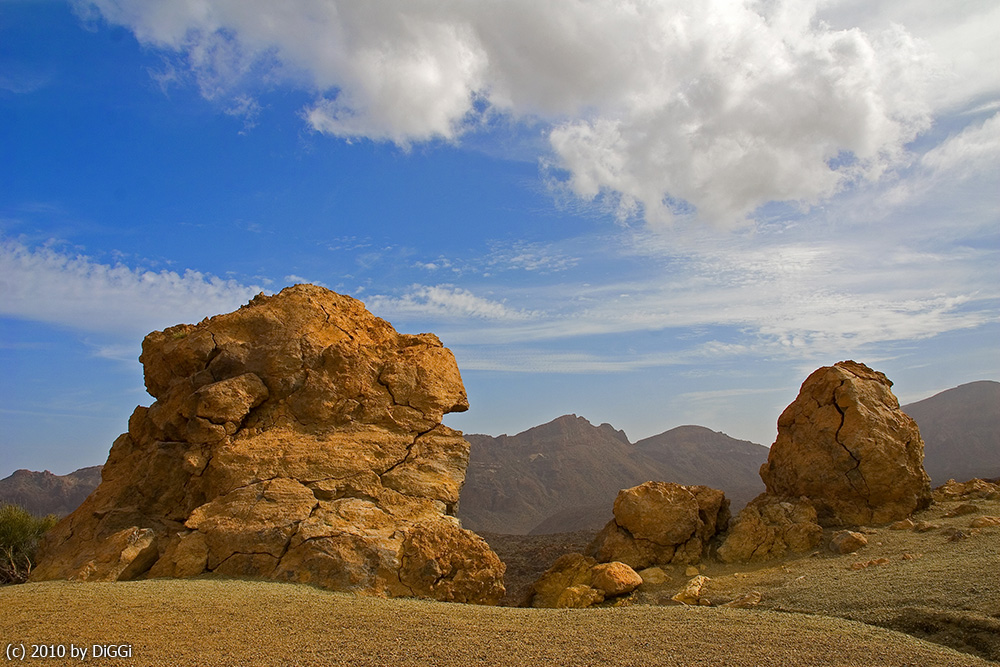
(43,493)
(961,431)
(564,475)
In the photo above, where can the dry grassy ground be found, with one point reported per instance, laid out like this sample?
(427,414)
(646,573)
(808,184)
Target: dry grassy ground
(948,592)
(201,622)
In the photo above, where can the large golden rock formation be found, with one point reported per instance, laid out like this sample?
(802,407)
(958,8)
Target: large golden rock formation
(845,455)
(298,439)
(845,444)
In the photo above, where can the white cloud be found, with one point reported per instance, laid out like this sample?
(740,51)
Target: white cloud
(443,301)
(532,257)
(293,279)
(960,35)
(534,360)
(247,109)
(45,285)
(974,150)
(718,106)
(786,293)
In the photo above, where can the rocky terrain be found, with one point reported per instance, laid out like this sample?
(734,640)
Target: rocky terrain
(906,598)
(846,558)
(932,577)
(297,439)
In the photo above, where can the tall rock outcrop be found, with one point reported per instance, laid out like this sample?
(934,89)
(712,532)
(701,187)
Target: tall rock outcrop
(845,455)
(298,439)
(845,444)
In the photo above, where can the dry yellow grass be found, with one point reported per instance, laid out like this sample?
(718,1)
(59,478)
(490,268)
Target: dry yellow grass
(211,622)
(949,593)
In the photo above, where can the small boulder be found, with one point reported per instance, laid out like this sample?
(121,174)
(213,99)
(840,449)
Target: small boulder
(745,601)
(578,581)
(904,524)
(569,570)
(615,579)
(871,563)
(579,597)
(962,510)
(985,522)
(691,593)
(653,576)
(974,488)
(847,542)
(660,523)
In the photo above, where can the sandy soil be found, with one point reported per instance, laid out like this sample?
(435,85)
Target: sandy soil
(815,610)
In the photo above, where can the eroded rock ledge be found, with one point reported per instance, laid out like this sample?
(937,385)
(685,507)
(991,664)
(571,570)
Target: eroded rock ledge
(298,438)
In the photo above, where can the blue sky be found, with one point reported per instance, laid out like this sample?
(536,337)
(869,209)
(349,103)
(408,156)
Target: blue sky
(645,213)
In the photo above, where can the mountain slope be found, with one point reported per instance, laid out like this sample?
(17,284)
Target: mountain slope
(697,455)
(515,482)
(961,431)
(564,475)
(43,493)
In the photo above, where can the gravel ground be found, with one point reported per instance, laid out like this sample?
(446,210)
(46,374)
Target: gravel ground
(212,622)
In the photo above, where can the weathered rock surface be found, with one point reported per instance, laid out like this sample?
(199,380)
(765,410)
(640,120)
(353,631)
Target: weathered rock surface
(660,523)
(298,438)
(654,576)
(769,527)
(845,444)
(985,522)
(615,579)
(845,455)
(578,581)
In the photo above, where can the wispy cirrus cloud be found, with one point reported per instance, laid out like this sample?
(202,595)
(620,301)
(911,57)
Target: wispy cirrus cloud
(972,152)
(785,293)
(46,285)
(446,302)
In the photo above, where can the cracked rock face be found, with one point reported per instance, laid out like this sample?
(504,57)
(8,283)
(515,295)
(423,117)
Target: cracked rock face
(298,439)
(770,527)
(846,446)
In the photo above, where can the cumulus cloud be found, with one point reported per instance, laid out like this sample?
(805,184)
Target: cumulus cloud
(443,301)
(45,285)
(670,108)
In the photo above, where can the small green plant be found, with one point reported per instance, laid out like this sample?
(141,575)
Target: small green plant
(20,533)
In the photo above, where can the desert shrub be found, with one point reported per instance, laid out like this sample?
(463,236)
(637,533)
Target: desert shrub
(20,533)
